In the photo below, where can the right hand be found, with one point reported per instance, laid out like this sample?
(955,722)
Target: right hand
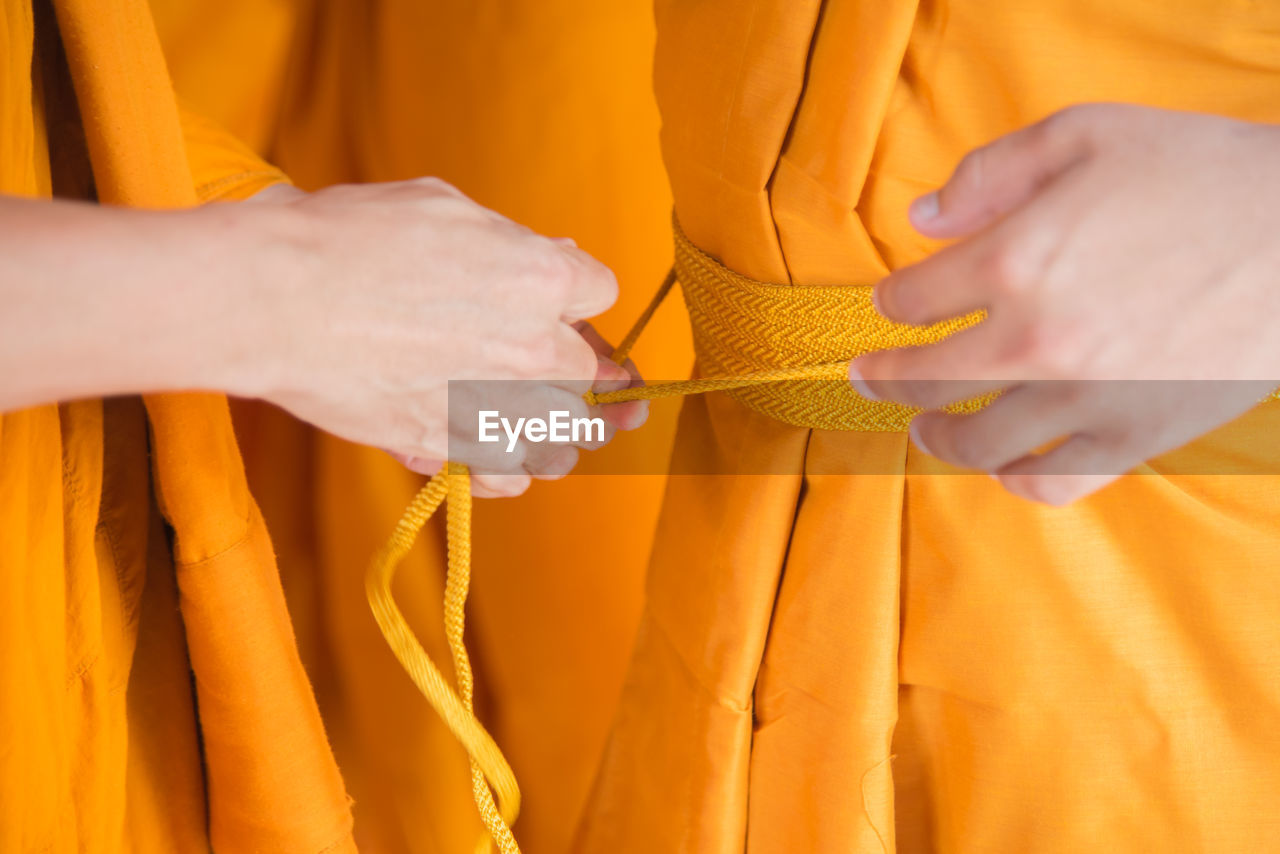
(389,291)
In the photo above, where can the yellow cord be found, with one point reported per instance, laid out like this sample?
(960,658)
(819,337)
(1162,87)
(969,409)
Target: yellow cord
(491,775)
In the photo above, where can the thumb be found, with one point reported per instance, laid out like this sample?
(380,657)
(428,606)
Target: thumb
(1000,177)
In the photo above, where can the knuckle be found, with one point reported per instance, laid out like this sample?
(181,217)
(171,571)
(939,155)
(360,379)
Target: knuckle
(972,169)
(1082,121)
(609,288)
(1070,118)
(969,448)
(585,364)
(539,356)
(461,209)
(531,358)
(554,274)
(567,278)
(1069,394)
(1040,351)
(1012,270)
(598,283)
(897,300)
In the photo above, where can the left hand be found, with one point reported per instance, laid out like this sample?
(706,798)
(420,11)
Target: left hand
(1106,243)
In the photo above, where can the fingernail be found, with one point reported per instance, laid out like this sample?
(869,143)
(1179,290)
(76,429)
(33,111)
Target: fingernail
(633,416)
(565,241)
(417,465)
(925,209)
(875,301)
(611,371)
(859,384)
(914,432)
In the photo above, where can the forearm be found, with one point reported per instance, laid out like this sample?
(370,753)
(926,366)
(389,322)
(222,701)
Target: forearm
(97,301)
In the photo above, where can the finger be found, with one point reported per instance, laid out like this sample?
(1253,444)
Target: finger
(610,376)
(1078,467)
(602,346)
(604,349)
(999,177)
(582,430)
(576,364)
(418,465)
(554,465)
(952,282)
(593,337)
(955,369)
(592,286)
(627,415)
(1019,422)
(499,485)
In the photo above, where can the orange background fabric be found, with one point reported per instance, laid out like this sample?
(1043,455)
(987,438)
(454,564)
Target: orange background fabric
(543,111)
(878,653)
(829,660)
(105,623)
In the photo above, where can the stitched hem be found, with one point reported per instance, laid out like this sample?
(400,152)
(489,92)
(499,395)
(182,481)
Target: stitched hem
(251,522)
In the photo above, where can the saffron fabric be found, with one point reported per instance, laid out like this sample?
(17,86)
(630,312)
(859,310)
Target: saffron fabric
(544,111)
(151,694)
(875,652)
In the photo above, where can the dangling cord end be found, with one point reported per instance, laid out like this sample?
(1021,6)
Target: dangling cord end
(488,766)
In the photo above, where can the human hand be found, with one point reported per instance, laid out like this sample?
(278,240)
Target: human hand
(1128,263)
(391,291)
(501,473)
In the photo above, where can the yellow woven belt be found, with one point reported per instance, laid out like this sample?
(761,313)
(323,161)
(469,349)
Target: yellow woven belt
(782,350)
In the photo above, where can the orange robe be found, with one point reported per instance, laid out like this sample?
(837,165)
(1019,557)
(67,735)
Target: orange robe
(543,110)
(868,651)
(151,694)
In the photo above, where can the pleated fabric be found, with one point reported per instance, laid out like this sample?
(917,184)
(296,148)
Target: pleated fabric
(875,652)
(544,111)
(151,694)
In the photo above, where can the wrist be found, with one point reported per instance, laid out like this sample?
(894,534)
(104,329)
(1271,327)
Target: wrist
(255,297)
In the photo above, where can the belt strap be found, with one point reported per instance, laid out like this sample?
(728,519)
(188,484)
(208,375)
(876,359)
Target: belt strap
(782,350)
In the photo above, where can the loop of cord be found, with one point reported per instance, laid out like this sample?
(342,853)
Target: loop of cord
(494,786)
(493,783)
